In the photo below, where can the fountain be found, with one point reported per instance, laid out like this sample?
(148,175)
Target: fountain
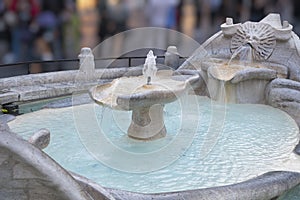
(244,76)
(247,127)
(145,95)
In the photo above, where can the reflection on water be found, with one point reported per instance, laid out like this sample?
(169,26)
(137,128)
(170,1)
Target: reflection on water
(255,139)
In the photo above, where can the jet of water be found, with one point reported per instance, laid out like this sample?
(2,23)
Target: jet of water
(245,54)
(150,69)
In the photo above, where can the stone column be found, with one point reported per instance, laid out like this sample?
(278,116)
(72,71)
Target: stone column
(147,123)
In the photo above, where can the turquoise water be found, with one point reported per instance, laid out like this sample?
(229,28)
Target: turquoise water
(293,194)
(207,144)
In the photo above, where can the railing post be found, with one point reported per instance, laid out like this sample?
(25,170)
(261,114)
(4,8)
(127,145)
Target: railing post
(129,62)
(28,68)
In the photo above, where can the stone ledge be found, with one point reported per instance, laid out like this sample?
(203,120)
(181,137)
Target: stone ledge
(285,95)
(259,74)
(35,92)
(285,83)
(8,97)
(56,84)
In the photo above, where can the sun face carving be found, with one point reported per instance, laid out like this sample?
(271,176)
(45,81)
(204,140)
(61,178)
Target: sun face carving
(259,36)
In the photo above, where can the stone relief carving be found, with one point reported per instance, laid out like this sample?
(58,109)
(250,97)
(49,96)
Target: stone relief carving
(259,36)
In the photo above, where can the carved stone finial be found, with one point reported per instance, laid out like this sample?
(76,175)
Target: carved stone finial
(229,21)
(172,57)
(40,139)
(86,60)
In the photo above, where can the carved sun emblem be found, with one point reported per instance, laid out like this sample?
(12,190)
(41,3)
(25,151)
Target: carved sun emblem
(259,36)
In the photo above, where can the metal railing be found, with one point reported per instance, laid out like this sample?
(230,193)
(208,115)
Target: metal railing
(60,61)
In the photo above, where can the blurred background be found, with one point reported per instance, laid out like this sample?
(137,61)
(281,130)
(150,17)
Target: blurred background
(57,29)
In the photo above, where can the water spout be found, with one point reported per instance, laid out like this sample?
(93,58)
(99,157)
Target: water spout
(245,54)
(150,69)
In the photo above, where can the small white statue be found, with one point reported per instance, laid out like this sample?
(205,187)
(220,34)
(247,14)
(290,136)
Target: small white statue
(149,70)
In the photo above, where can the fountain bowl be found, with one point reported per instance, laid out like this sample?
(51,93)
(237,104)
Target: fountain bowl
(145,100)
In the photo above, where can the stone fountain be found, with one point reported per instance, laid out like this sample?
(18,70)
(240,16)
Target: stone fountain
(145,96)
(249,63)
(253,62)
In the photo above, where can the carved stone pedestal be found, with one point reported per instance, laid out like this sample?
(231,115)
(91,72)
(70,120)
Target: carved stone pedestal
(147,123)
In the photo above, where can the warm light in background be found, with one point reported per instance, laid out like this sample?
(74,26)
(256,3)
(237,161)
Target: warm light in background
(86,4)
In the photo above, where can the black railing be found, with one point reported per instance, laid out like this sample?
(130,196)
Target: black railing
(60,61)
(38,62)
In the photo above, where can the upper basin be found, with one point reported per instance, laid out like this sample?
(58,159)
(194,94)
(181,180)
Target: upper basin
(237,71)
(126,93)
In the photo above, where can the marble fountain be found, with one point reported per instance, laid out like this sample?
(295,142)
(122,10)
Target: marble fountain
(223,125)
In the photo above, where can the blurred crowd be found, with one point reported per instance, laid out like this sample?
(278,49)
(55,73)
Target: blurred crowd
(55,29)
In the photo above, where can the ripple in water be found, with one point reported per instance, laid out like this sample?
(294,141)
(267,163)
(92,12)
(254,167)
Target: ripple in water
(254,139)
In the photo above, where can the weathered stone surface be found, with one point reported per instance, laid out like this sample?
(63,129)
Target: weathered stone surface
(285,95)
(285,83)
(16,194)
(172,57)
(251,91)
(5,118)
(279,95)
(229,29)
(6,83)
(86,61)
(95,191)
(259,74)
(282,70)
(55,84)
(23,171)
(40,139)
(8,97)
(294,67)
(27,93)
(3,126)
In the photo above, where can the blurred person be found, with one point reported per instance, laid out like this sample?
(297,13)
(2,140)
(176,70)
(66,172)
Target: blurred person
(188,17)
(114,15)
(71,35)
(89,22)
(25,28)
(162,13)
(6,20)
(136,16)
(42,51)
(49,21)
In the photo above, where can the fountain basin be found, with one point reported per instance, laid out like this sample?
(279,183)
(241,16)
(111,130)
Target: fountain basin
(145,100)
(255,139)
(237,82)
